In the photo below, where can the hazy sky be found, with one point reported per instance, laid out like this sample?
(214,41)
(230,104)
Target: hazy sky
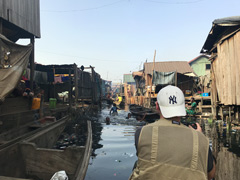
(117,36)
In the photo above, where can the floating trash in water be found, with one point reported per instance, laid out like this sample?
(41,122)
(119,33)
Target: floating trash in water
(128,154)
(118,160)
(103,153)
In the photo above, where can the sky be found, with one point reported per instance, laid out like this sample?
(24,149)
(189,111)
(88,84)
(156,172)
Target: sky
(118,36)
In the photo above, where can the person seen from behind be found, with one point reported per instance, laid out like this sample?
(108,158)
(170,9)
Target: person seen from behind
(113,110)
(167,149)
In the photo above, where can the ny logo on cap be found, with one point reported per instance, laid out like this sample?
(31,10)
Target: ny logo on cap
(172,99)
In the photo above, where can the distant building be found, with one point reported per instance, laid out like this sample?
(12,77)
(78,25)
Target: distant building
(201,65)
(128,78)
(160,74)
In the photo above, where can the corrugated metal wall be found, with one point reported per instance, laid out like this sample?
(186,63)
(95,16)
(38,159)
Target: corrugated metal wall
(22,13)
(85,85)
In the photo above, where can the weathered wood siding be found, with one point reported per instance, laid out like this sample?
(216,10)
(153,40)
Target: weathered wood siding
(22,13)
(226,71)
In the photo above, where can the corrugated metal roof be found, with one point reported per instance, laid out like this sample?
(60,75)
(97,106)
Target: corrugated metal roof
(168,66)
(220,28)
(197,58)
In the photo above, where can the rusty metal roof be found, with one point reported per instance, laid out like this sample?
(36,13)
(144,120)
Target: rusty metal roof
(168,66)
(221,29)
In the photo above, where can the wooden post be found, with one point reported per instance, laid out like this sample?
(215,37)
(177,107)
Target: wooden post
(92,83)
(31,59)
(221,112)
(126,93)
(176,78)
(70,89)
(54,86)
(76,83)
(152,78)
(228,124)
(230,114)
(1,26)
(213,101)
(82,88)
(200,107)
(237,114)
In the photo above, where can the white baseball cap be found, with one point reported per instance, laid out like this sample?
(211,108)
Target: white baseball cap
(171,102)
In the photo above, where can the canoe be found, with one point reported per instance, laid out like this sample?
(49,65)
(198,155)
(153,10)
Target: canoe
(139,110)
(35,158)
(150,114)
(17,134)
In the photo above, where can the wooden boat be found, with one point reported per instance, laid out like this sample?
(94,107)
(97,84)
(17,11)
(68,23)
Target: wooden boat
(17,134)
(34,157)
(150,114)
(139,110)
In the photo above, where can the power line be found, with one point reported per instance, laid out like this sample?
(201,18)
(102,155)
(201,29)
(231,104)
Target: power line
(176,2)
(93,59)
(86,9)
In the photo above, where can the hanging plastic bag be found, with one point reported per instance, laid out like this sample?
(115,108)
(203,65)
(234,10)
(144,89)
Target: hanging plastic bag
(60,175)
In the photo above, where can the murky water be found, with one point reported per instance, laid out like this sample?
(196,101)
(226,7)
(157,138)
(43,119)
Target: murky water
(226,149)
(115,152)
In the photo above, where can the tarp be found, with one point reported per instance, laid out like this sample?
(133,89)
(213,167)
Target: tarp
(13,60)
(162,78)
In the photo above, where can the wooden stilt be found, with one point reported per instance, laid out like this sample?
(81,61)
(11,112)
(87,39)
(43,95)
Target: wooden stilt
(221,112)
(31,59)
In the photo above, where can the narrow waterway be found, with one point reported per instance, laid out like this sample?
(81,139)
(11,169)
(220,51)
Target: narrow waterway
(114,155)
(114,150)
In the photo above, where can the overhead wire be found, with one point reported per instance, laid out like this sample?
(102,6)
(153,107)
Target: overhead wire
(174,2)
(94,59)
(86,9)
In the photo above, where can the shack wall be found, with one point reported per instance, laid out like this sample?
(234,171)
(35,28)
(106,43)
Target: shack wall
(199,66)
(85,86)
(22,13)
(226,69)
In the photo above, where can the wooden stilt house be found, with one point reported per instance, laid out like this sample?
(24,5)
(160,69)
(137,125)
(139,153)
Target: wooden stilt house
(223,44)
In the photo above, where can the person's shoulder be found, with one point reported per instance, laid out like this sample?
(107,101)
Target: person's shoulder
(201,136)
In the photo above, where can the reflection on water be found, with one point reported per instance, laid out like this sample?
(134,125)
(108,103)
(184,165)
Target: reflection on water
(226,149)
(228,139)
(114,151)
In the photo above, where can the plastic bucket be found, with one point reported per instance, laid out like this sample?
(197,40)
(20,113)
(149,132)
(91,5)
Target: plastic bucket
(36,103)
(52,103)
